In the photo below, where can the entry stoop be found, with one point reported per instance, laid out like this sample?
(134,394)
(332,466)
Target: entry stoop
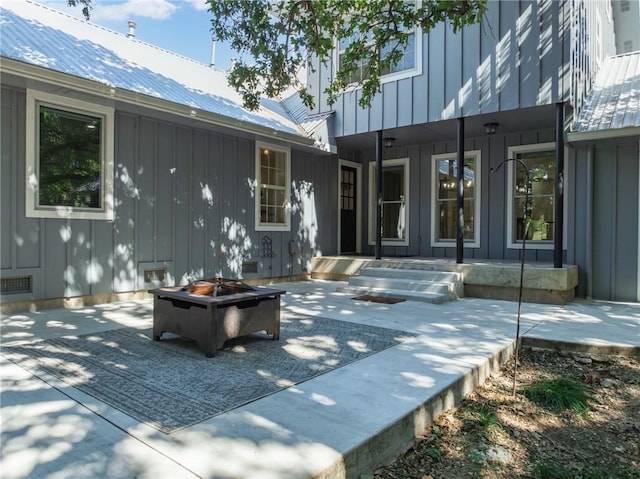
(410,284)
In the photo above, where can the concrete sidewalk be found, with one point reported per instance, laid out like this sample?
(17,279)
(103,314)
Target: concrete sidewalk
(339,424)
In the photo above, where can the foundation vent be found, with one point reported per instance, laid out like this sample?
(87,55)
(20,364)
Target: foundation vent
(249,267)
(21,284)
(155,275)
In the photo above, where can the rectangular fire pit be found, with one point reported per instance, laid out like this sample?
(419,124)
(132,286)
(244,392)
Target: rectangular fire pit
(213,311)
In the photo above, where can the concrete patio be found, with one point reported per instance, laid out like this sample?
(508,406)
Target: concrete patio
(340,424)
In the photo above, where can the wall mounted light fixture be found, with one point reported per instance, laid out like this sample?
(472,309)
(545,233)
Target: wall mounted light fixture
(490,128)
(388,142)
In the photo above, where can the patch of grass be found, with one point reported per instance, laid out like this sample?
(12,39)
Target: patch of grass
(633,474)
(546,470)
(476,456)
(558,395)
(434,453)
(482,415)
(553,470)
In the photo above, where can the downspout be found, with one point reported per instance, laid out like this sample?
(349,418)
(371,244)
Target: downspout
(559,191)
(378,194)
(460,195)
(589,222)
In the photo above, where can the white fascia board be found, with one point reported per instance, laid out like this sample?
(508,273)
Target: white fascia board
(81,85)
(574,136)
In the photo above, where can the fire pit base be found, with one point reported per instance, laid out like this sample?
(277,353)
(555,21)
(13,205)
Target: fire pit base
(212,320)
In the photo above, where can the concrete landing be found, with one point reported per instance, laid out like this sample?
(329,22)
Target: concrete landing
(413,284)
(337,425)
(489,279)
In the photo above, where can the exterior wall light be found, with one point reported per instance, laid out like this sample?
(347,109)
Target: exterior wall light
(490,128)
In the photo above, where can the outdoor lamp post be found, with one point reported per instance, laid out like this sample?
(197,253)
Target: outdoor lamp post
(526,219)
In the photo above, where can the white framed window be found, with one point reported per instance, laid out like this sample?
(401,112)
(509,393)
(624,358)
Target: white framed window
(395,204)
(444,189)
(69,158)
(409,65)
(273,187)
(541,161)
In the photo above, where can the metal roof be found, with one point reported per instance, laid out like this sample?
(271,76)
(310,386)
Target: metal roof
(614,101)
(39,35)
(299,112)
(316,125)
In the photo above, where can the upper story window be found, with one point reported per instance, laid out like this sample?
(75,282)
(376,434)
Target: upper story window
(405,67)
(273,183)
(69,158)
(540,160)
(409,64)
(445,193)
(395,205)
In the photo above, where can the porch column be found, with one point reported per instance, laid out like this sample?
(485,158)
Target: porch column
(379,194)
(558,226)
(460,195)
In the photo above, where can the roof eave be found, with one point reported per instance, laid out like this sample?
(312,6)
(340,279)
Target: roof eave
(608,134)
(45,75)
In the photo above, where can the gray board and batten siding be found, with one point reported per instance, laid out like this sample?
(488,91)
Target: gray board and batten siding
(608,175)
(184,204)
(513,68)
(511,60)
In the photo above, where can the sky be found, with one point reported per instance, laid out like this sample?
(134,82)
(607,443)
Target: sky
(180,26)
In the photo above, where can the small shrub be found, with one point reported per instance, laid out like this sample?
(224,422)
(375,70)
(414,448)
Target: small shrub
(434,453)
(484,416)
(633,474)
(558,395)
(545,470)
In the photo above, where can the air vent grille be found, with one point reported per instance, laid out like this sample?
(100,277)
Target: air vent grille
(155,275)
(249,267)
(21,284)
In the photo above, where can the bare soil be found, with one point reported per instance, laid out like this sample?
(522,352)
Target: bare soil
(496,435)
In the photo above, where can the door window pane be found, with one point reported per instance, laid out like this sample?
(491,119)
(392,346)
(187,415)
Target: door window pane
(446,191)
(394,206)
(542,173)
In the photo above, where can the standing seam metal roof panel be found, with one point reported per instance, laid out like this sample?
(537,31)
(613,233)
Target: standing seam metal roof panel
(38,35)
(614,100)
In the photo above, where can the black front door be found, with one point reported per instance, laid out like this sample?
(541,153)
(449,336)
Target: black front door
(348,201)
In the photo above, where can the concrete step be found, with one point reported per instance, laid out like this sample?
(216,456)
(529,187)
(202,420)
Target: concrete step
(420,274)
(412,284)
(417,286)
(425,297)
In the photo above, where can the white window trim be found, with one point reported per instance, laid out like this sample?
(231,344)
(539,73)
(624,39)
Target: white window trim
(287,215)
(372,202)
(475,243)
(531,244)
(395,76)
(33,210)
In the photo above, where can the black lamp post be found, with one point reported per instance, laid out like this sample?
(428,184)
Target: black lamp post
(526,218)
